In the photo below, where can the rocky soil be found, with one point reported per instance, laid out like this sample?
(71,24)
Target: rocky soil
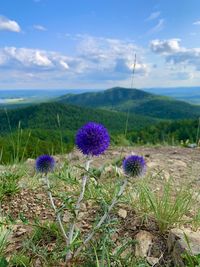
(181,165)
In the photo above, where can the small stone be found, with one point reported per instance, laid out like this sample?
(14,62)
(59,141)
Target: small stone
(127,253)
(152,260)
(144,241)
(83,207)
(30,161)
(20,232)
(66,217)
(81,215)
(152,164)
(180,163)
(122,213)
(38,263)
(166,175)
(177,244)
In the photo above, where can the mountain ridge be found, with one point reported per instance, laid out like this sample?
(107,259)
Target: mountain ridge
(135,101)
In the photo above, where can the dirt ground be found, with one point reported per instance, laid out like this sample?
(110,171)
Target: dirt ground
(163,163)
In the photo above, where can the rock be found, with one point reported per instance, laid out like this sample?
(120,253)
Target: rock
(21,231)
(122,213)
(178,244)
(166,175)
(112,171)
(126,254)
(114,237)
(192,145)
(66,217)
(30,161)
(152,164)
(83,207)
(81,215)
(180,163)
(39,196)
(152,260)
(38,263)
(144,241)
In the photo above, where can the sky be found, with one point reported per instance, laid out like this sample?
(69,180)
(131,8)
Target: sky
(83,44)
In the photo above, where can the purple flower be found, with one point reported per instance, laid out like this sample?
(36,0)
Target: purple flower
(134,165)
(92,139)
(45,163)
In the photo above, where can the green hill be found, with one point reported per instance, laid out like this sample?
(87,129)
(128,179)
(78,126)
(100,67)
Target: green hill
(136,101)
(50,128)
(45,116)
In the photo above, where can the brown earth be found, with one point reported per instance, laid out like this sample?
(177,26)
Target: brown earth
(163,163)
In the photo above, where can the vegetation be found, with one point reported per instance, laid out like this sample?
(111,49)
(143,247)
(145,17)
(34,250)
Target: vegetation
(135,101)
(173,133)
(168,208)
(8,184)
(45,116)
(51,127)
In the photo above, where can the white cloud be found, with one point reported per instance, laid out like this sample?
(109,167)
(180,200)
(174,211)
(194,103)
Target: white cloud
(64,64)
(97,60)
(165,46)
(158,27)
(108,54)
(9,25)
(176,54)
(196,22)
(39,28)
(26,57)
(153,15)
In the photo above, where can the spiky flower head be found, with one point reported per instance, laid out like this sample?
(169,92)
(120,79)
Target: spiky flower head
(92,139)
(134,166)
(45,163)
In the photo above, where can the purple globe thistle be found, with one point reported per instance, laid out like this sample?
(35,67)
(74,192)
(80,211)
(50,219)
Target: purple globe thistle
(134,165)
(92,139)
(45,163)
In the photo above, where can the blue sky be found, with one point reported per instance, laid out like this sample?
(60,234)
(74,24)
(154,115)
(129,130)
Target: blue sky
(91,43)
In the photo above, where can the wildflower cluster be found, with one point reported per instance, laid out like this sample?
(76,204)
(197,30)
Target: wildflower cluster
(92,140)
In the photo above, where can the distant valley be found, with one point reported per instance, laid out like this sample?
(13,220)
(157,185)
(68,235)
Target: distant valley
(188,94)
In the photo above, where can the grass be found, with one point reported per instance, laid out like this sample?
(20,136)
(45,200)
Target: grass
(8,184)
(168,207)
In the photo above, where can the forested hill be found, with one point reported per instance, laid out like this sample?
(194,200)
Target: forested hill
(47,116)
(136,101)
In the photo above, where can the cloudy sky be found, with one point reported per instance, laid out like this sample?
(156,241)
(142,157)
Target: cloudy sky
(91,43)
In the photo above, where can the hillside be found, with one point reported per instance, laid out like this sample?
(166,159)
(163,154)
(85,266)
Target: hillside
(51,128)
(45,116)
(137,101)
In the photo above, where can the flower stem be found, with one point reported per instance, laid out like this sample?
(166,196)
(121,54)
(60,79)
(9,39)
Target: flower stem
(77,209)
(103,218)
(58,217)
